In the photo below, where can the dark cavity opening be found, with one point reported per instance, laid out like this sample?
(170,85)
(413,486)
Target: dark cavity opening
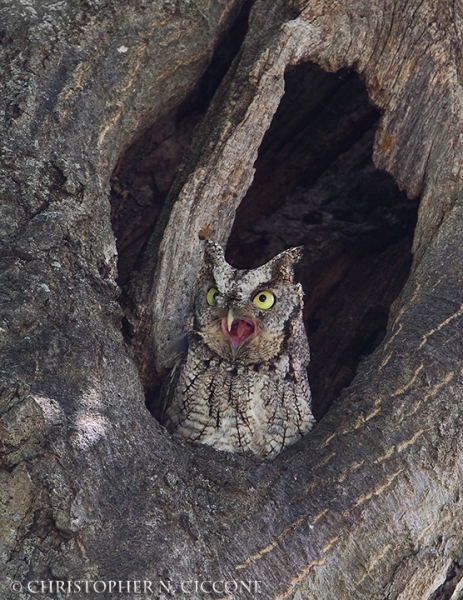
(316,185)
(145,172)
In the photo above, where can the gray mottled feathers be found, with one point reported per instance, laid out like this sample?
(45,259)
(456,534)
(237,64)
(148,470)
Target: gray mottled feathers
(242,384)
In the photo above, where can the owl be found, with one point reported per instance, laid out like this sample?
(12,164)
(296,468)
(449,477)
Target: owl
(242,384)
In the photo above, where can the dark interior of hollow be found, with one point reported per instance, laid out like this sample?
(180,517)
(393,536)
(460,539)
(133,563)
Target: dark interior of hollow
(315,185)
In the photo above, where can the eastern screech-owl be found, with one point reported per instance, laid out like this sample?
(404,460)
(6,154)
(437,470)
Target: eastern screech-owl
(242,386)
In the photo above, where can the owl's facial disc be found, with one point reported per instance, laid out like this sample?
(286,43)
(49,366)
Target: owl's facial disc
(237,330)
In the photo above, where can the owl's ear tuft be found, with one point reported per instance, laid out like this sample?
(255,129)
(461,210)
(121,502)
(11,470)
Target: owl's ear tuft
(283,263)
(293,255)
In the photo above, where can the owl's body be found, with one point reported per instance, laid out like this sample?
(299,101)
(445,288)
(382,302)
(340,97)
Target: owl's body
(242,386)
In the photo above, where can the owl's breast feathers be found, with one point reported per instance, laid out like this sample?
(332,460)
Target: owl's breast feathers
(258,408)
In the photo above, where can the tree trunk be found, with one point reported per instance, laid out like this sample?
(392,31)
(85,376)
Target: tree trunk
(368,505)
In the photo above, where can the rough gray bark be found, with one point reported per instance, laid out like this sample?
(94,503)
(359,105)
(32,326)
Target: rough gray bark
(368,505)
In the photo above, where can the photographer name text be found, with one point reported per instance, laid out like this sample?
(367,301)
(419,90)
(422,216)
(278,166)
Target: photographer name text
(146,588)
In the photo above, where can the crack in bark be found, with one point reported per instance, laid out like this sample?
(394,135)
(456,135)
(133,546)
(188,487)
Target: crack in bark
(427,335)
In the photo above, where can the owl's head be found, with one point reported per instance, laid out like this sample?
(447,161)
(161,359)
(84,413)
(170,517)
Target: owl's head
(247,315)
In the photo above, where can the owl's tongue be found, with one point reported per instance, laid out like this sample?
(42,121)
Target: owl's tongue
(240,330)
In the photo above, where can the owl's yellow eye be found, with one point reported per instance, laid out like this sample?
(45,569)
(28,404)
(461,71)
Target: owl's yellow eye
(264,300)
(212,296)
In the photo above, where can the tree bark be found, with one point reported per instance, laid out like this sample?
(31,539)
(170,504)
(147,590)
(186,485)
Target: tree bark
(369,504)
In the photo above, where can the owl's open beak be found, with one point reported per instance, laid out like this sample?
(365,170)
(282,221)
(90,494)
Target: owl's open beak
(237,330)
(230,319)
